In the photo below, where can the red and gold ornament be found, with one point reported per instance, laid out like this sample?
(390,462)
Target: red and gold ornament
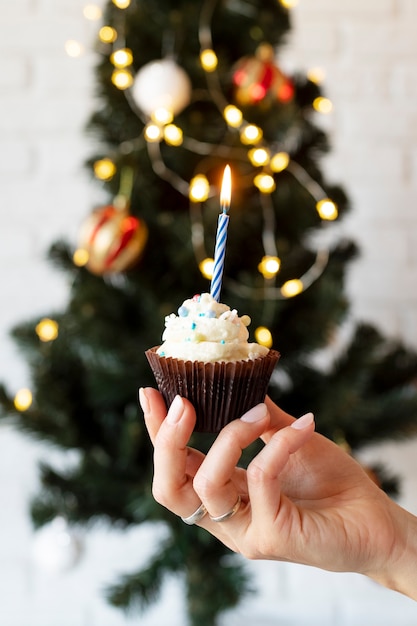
(258,78)
(112,239)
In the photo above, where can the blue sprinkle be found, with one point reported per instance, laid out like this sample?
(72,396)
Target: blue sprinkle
(183,311)
(193,326)
(162,354)
(222,341)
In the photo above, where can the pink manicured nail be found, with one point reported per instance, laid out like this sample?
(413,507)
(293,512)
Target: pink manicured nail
(144,402)
(175,410)
(303,422)
(254,415)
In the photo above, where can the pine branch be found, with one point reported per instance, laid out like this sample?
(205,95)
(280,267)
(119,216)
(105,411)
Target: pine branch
(139,590)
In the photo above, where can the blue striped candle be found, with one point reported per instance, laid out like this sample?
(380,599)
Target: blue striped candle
(221,236)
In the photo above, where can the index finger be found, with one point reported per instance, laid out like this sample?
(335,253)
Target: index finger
(175,463)
(154,410)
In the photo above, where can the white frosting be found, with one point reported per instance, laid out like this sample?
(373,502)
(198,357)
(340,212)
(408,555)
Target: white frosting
(206,330)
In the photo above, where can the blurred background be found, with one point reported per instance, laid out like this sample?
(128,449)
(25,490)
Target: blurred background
(366,53)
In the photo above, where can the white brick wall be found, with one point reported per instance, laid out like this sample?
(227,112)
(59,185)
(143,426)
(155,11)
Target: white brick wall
(368,50)
(368,54)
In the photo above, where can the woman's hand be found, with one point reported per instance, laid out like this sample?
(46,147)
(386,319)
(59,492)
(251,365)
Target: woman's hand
(302,498)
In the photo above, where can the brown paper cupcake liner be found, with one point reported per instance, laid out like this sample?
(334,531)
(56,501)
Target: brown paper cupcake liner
(220,392)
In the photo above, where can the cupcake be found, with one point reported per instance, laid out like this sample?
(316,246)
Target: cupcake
(205,357)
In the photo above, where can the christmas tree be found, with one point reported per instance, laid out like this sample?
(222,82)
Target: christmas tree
(185,88)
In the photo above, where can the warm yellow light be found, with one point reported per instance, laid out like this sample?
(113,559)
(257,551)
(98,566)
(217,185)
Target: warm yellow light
(163,116)
(80,257)
(199,188)
(250,134)
(107,34)
(226,189)
(206,268)
(92,12)
(279,161)
(258,156)
(122,57)
(47,329)
(289,4)
(323,105)
(265,183)
(316,75)
(263,336)
(121,4)
(74,48)
(269,266)
(208,60)
(292,288)
(153,132)
(233,116)
(23,399)
(104,169)
(122,79)
(327,209)
(173,135)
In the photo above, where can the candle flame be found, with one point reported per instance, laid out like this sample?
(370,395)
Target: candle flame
(226,190)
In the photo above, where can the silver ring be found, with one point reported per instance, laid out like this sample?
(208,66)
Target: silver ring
(196,516)
(229,514)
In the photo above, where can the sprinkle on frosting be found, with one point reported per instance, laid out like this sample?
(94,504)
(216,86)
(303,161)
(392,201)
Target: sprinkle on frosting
(217,333)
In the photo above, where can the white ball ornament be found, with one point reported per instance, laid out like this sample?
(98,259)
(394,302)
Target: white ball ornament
(162,84)
(56,548)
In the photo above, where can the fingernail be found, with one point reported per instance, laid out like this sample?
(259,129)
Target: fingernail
(254,415)
(143,400)
(303,422)
(175,410)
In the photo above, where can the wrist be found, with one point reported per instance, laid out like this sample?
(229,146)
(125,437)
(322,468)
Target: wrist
(398,569)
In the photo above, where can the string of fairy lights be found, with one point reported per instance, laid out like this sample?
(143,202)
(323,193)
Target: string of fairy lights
(268,161)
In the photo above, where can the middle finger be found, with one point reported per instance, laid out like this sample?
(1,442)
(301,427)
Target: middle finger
(217,480)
